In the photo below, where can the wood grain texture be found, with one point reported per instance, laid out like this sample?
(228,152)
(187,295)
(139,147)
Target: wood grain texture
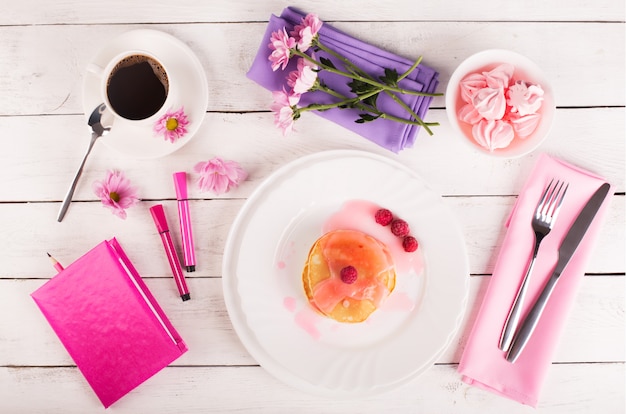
(53,58)
(204,324)
(570,389)
(117,11)
(589,138)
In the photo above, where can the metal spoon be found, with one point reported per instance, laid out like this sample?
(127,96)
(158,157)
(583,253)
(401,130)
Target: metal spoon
(99,126)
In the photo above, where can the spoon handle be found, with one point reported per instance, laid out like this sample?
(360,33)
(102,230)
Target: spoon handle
(70,192)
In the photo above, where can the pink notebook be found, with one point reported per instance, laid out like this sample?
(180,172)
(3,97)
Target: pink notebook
(109,322)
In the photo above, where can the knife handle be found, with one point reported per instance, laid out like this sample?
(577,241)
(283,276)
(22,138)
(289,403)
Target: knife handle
(528,326)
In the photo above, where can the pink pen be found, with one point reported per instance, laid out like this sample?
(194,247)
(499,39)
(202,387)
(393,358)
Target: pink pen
(161,223)
(180,182)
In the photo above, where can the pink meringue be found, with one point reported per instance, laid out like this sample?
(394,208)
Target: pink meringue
(498,107)
(490,103)
(524,98)
(493,134)
(500,76)
(524,125)
(469,114)
(471,84)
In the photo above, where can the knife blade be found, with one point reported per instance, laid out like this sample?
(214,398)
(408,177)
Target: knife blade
(566,250)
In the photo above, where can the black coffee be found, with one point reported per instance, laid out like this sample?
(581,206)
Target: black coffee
(137,87)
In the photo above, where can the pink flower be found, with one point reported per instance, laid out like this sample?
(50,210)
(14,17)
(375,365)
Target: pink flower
(306,32)
(172,125)
(218,175)
(285,110)
(116,193)
(281,44)
(303,79)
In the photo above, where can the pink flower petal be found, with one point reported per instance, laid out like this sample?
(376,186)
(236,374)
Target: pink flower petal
(305,32)
(177,118)
(116,183)
(304,78)
(281,44)
(283,108)
(219,176)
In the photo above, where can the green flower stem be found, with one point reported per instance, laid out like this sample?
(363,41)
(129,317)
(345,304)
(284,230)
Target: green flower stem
(361,78)
(357,103)
(413,114)
(356,70)
(411,69)
(417,118)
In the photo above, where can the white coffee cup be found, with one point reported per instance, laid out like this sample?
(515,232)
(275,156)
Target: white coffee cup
(136,86)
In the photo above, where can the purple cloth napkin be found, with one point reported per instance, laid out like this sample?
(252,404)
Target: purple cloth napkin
(392,135)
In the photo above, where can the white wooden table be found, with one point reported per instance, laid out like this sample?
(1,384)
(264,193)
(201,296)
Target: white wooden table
(44,49)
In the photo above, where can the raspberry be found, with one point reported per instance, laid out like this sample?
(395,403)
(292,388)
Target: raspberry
(348,275)
(409,243)
(400,228)
(383,217)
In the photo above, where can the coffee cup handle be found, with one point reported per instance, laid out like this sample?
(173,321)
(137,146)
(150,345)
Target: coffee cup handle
(95,69)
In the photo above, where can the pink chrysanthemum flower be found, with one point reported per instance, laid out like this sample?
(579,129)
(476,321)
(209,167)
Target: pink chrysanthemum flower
(285,110)
(303,79)
(116,193)
(218,175)
(172,125)
(281,44)
(306,32)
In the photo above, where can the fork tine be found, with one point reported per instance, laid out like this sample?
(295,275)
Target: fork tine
(552,199)
(540,204)
(557,206)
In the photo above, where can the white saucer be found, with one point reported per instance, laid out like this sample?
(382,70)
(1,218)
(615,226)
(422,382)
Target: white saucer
(183,65)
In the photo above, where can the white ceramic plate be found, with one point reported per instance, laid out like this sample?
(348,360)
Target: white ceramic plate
(265,253)
(183,65)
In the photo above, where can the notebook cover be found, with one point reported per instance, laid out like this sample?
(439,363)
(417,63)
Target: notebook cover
(109,322)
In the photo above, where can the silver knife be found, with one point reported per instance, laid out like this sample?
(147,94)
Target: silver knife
(566,250)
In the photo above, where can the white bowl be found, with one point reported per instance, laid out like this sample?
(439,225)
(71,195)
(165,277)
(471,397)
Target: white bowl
(525,70)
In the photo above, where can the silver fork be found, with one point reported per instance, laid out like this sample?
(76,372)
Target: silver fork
(546,213)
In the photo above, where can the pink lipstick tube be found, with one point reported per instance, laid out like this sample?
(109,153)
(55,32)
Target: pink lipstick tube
(158,215)
(186,235)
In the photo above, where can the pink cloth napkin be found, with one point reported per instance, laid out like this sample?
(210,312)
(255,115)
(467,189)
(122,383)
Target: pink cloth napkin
(483,364)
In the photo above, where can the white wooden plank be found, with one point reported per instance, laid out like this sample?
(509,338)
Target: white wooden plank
(31,230)
(594,330)
(35,12)
(569,389)
(42,66)
(44,153)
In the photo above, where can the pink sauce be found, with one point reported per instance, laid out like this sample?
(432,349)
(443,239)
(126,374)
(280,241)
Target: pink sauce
(371,258)
(359,215)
